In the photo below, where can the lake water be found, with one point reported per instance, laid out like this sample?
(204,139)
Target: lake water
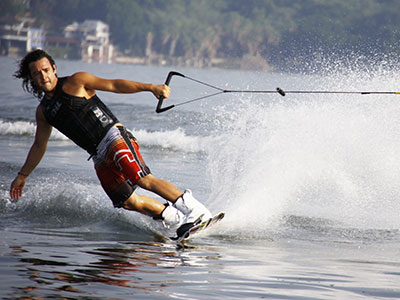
(309,184)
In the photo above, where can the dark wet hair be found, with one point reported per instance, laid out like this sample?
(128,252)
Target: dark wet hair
(25,74)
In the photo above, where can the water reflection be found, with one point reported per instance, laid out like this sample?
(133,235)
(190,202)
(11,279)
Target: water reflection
(127,268)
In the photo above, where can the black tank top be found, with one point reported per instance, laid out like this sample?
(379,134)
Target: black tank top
(84,121)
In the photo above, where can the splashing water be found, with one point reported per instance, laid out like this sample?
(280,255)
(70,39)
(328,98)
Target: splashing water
(320,156)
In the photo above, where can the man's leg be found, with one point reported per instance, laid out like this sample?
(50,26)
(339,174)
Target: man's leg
(145,205)
(153,208)
(163,188)
(129,161)
(184,202)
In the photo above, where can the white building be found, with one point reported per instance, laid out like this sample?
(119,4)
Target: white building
(19,38)
(95,40)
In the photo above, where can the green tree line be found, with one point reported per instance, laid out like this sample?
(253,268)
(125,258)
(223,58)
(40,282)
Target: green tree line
(275,30)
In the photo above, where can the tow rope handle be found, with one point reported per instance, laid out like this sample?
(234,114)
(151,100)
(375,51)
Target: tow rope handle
(160,109)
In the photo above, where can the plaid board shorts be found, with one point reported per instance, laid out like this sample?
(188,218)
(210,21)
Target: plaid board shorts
(119,164)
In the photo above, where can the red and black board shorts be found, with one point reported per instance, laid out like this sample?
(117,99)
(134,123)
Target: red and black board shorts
(119,164)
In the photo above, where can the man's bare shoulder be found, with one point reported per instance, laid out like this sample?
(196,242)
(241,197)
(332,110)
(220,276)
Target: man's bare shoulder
(80,84)
(79,78)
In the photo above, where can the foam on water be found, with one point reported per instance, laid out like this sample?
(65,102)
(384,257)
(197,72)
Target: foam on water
(70,204)
(175,140)
(24,128)
(321,156)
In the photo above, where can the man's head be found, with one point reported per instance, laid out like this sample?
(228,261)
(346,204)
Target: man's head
(38,72)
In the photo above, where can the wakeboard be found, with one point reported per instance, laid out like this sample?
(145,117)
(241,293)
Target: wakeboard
(197,228)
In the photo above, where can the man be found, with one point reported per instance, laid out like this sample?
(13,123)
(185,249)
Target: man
(71,105)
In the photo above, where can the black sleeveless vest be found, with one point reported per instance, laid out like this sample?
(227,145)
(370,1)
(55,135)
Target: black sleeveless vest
(84,121)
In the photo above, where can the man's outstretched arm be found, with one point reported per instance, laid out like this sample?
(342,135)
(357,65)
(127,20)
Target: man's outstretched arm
(91,83)
(38,148)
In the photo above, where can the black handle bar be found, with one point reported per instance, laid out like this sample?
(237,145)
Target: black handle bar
(160,109)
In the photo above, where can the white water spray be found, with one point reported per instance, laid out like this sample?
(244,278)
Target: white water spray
(321,156)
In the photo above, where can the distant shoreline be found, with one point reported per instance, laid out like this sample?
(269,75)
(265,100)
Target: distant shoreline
(245,63)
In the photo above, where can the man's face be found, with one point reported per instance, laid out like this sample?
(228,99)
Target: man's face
(44,75)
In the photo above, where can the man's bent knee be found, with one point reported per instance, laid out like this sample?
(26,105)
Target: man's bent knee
(131,203)
(147,182)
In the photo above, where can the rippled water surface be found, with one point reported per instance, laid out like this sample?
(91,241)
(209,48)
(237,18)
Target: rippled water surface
(309,185)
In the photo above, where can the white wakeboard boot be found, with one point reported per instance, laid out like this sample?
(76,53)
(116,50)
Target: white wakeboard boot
(171,217)
(193,211)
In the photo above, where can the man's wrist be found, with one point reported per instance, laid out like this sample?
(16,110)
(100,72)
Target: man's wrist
(23,174)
